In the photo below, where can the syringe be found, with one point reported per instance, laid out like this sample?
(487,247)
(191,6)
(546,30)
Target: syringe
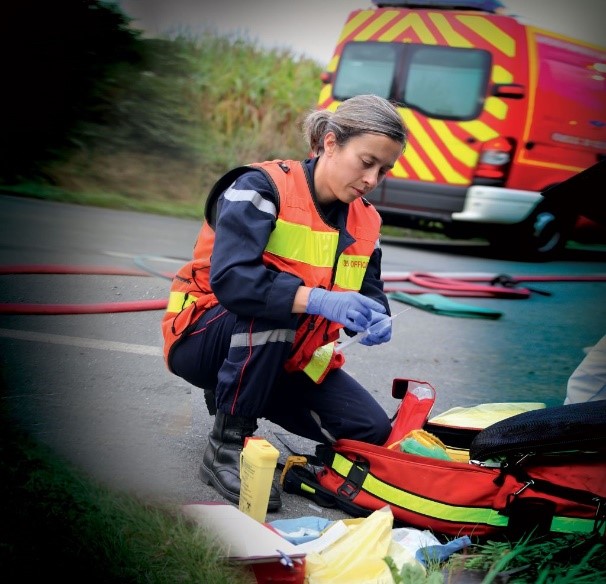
(358,337)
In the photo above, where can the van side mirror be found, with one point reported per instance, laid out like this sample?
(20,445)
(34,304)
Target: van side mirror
(509,90)
(326,77)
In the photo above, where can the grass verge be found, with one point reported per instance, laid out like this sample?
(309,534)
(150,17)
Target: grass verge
(58,525)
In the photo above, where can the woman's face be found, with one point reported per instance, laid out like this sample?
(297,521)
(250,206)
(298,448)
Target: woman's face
(351,171)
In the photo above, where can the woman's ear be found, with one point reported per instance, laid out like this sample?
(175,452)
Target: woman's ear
(330,143)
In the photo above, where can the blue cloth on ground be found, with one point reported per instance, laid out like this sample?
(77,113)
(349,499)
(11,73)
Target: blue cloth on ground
(300,529)
(440,553)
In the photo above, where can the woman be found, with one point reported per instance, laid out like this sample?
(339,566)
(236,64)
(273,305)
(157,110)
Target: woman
(288,256)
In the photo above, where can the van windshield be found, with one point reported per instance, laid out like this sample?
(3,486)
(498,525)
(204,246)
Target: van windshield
(441,82)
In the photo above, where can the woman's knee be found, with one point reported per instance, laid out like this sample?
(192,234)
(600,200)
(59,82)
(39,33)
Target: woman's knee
(376,430)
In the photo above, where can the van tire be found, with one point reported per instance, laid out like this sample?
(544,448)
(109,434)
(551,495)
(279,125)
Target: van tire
(541,237)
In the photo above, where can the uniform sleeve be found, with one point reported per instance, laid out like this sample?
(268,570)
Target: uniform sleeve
(247,213)
(372,285)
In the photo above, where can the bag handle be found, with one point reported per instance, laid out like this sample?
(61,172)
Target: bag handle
(299,480)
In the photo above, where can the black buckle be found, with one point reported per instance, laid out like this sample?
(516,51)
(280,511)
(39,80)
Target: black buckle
(352,484)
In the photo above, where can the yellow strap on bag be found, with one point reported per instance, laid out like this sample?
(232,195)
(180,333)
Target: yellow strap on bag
(357,557)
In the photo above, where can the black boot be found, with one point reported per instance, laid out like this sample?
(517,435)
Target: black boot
(221,462)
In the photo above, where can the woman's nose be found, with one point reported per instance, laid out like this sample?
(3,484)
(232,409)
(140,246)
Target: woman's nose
(371,178)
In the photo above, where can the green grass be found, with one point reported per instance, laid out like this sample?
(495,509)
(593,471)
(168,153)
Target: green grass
(58,525)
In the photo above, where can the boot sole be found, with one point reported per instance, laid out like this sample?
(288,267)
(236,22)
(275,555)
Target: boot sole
(208,479)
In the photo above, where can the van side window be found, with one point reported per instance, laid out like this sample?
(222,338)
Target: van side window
(441,82)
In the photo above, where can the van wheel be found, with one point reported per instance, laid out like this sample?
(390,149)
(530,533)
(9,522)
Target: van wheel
(541,237)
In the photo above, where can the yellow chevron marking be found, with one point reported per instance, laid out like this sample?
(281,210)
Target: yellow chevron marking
(418,165)
(398,169)
(457,147)
(354,23)
(325,93)
(414,22)
(433,153)
(332,66)
(453,38)
(497,107)
(371,30)
(479,130)
(490,33)
(501,75)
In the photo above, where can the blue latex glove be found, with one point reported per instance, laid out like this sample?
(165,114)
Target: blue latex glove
(379,330)
(354,311)
(440,553)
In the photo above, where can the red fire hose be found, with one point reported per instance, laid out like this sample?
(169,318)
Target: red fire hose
(500,286)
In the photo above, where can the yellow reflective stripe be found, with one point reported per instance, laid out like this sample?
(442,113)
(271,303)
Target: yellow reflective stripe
(350,271)
(574,525)
(458,148)
(433,152)
(377,24)
(446,512)
(301,243)
(307,488)
(491,33)
(497,107)
(354,23)
(177,301)
(411,21)
(479,130)
(319,361)
(417,504)
(453,38)
(501,75)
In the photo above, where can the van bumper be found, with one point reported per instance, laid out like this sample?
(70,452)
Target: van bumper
(484,204)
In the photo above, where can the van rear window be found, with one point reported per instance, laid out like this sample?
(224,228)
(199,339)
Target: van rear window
(441,82)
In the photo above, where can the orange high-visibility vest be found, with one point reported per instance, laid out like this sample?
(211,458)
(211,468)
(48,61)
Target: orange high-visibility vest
(302,244)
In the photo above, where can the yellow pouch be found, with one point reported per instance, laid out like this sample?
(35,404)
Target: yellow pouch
(358,556)
(483,415)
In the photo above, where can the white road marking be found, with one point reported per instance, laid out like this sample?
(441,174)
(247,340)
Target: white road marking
(81,342)
(119,254)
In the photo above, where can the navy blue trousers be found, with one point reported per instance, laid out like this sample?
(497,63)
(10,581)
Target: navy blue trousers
(242,361)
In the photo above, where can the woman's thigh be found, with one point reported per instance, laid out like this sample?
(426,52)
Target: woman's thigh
(199,356)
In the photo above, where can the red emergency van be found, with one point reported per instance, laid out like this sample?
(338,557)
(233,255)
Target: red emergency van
(498,111)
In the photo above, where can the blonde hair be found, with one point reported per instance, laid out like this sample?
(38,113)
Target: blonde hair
(362,114)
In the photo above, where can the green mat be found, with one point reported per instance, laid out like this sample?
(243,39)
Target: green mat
(439,304)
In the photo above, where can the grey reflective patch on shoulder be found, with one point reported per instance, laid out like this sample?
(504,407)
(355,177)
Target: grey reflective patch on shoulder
(252,197)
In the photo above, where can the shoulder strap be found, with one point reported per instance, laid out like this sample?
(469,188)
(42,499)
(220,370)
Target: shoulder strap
(210,208)
(300,480)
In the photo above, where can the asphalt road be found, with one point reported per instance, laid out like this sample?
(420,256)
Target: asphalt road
(94,386)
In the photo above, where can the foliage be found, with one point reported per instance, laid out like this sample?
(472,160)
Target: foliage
(557,559)
(413,574)
(57,525)
(96,108)
(70,56)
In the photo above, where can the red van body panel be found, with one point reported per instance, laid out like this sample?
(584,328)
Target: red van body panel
(538,116)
